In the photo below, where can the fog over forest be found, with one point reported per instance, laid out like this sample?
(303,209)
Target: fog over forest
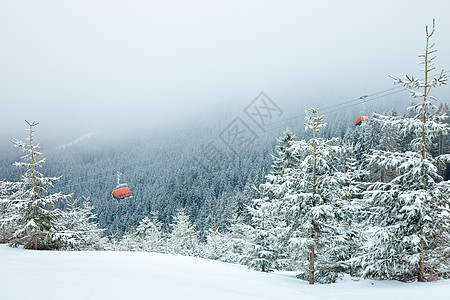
(106,67)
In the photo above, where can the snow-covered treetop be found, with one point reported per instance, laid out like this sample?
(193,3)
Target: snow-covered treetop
(412,83)
(314,120)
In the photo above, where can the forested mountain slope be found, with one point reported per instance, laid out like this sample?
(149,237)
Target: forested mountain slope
(171,170)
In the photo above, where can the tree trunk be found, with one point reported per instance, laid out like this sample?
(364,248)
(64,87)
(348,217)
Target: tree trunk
(311,255)
(35,238)
(421,275)
(311,265)
(3,215)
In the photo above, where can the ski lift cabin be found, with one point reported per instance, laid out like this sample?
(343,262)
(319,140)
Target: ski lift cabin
(362,121)
(122,191)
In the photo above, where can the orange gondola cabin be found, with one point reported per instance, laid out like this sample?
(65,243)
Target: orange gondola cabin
(362,121)
(121,192)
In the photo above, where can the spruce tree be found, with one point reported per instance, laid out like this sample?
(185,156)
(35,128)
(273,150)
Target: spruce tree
(7,212)
(348,242)
(38,219)
(183,238)
(410,212)
(388,139)
(309,198)
(129,242)
(278,185)
(237,240)
(149,236)
(286,158)
(112,244)
(216,243)
(261,252)
(81,231)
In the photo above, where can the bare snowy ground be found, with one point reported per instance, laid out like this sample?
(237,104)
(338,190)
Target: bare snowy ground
(26,274)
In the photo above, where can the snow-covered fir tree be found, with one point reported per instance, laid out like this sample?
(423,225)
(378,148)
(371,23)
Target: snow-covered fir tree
(216,244)
(261,252)
(388,139)
(237,241)
(129,242)
(81,231)
(410,213)
(350,208)
(243,199)
(38,220)
(183,237)
(111,243)
(286,158)
(149,235)
(285,163)
(7,212)
(309,198)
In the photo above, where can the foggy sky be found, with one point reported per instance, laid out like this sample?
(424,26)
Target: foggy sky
(79,65)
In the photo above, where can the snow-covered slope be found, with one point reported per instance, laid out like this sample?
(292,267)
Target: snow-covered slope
(27,274)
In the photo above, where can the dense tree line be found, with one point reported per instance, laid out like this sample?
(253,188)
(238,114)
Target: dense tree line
(163,177)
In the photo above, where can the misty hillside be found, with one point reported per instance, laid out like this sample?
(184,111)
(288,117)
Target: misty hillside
(169,170)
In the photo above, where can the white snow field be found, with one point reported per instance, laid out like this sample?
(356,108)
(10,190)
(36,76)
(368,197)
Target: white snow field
(27,274)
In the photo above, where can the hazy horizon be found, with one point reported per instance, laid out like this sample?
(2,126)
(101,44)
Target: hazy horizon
(83,66)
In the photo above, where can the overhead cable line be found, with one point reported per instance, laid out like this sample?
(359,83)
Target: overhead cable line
(282,123)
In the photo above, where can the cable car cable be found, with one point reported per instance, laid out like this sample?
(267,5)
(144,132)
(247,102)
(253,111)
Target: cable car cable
(272,129)
(337,107)
(282,124)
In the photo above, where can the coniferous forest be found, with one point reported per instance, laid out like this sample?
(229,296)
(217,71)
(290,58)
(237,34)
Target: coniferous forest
(310,192)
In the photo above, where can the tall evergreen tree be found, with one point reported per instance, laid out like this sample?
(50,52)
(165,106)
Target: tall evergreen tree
(350,208)
(310,196)
(261,253)
(38,218)
(279,183)
(410,213)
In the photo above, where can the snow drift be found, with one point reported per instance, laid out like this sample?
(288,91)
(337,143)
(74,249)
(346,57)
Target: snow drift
(28,274)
